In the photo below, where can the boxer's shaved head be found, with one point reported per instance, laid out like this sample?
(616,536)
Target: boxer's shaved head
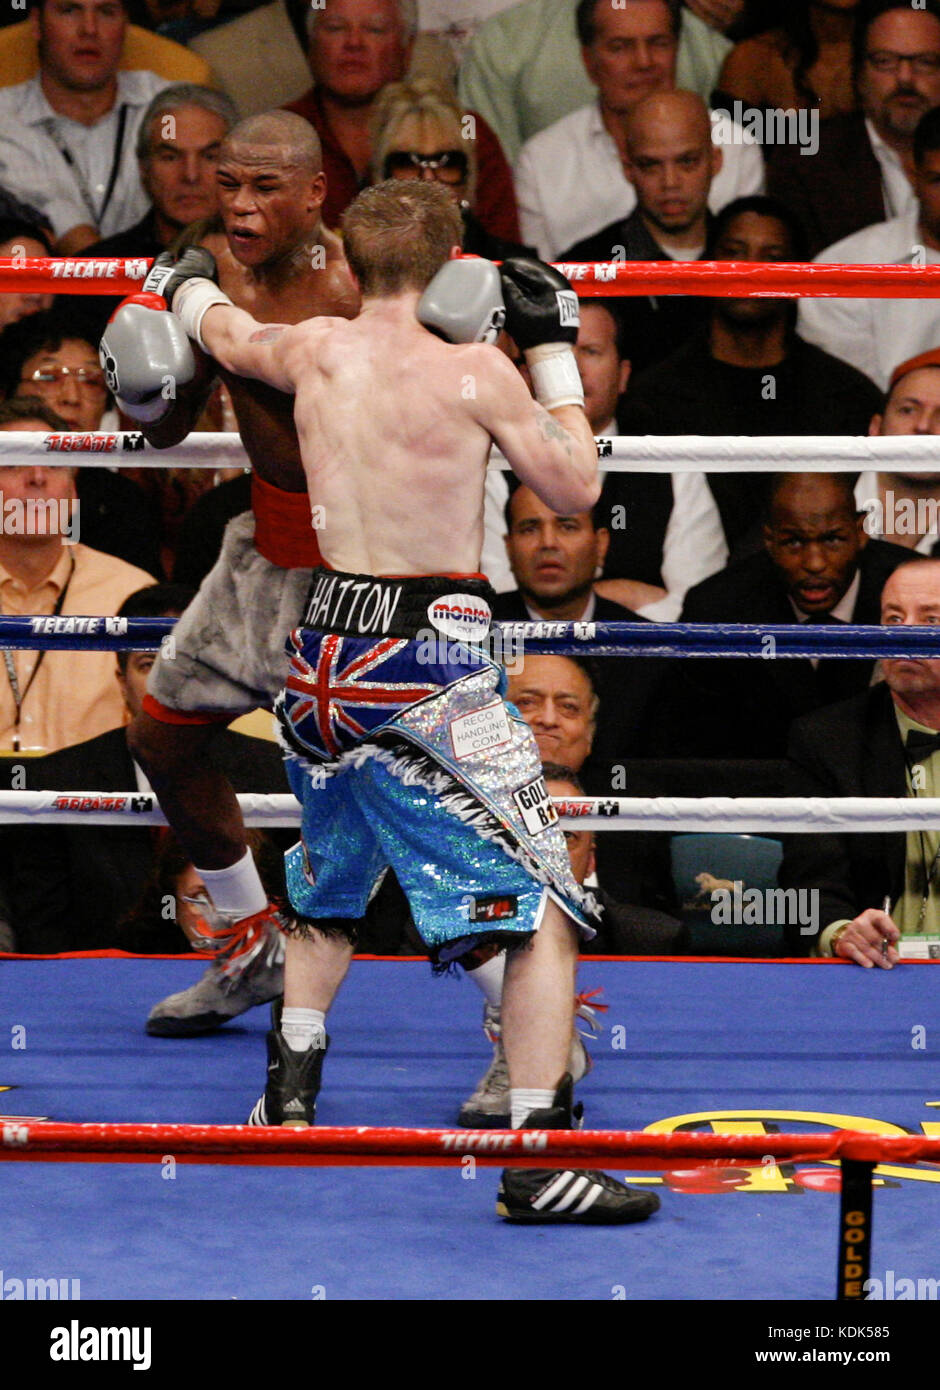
(398,235)
(278,136)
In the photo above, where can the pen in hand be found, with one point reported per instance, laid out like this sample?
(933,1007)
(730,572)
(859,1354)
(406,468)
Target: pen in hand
(886,908)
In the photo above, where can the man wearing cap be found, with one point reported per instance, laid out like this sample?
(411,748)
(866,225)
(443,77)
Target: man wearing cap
(905,507)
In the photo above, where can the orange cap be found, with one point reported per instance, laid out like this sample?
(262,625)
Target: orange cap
(913,364)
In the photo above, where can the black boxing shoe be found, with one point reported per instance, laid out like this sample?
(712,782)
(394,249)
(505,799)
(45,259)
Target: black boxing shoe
(552,1196)
(290,1096)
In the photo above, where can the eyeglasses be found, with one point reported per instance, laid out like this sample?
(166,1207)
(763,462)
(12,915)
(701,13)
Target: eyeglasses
(884,61)
(450,166)
(91,378)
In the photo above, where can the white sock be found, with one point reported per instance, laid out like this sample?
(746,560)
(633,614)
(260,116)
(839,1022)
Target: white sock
(489,978)
(303,1028)
(237,889)
(526,1099)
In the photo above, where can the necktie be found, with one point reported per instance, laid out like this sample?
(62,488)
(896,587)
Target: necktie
(918,746)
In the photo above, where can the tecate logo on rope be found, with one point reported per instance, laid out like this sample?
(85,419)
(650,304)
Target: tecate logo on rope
(94,270)
(131,442)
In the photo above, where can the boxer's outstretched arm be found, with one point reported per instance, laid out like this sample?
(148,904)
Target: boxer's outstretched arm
(551,451)
(242,345)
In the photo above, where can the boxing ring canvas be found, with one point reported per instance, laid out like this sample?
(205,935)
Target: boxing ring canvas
(715,1047)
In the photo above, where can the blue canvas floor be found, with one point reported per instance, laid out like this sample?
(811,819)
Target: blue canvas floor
(718,1044)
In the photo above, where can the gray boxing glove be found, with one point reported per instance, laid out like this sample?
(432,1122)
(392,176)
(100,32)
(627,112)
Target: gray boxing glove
(146,357)
(464,302)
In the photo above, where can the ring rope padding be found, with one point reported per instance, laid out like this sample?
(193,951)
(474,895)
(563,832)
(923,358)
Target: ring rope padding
(710,814)
(759,279)
(392,1147)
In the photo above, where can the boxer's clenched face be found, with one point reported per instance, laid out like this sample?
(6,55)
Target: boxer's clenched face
(555,699)
(269,206)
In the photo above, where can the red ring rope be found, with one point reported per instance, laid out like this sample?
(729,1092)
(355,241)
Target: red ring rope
(42,275)
(385,1147)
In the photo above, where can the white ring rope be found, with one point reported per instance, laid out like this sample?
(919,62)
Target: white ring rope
(718,814)
(646,453)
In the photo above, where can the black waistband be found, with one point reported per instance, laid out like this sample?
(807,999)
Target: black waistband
(360,605)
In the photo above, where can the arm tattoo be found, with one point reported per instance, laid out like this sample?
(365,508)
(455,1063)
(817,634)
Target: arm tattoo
(268,335)
(551,429)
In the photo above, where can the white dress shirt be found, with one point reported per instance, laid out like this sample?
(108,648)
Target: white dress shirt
(570,182)
(33,167)
(899,196)
(874,335)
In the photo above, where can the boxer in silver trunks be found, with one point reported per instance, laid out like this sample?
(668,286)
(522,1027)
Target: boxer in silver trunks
(276,259)
(395,429)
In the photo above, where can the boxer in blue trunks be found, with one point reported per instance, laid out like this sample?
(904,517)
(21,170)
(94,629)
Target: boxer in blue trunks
(399,742)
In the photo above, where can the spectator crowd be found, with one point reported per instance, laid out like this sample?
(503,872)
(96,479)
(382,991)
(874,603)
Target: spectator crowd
(575,130)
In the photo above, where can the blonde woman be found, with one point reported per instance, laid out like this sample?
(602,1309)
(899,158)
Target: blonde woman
(419,131)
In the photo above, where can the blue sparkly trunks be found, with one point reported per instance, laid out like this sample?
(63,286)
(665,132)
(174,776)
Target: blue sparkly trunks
(404,753)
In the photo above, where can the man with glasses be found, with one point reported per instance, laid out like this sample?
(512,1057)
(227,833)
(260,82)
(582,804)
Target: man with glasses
(863,171)
(356,48)
(46,357)
(872,334)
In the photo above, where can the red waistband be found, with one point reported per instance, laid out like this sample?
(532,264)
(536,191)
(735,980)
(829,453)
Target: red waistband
(284,532)
(164,715)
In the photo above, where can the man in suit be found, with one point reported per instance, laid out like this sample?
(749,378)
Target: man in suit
(554,560)
(882,743)
(817,565)
(70,885)
(861,172)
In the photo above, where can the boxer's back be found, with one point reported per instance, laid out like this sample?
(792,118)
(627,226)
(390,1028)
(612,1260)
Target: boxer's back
(393,453)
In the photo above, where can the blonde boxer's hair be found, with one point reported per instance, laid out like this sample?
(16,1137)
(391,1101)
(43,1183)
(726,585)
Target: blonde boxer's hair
(398,234)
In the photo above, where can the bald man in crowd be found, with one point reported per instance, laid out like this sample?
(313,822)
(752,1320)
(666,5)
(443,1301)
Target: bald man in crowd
(817,565)
(277,260)
(671,163)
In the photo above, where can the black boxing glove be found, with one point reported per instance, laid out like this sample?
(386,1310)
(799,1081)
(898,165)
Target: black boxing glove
(542,315)
(188,285)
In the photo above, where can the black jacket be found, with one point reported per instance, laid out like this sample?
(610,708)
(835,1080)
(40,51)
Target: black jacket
(69,885)
(734,708)
(655,325)
(809,393)
(850,749)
